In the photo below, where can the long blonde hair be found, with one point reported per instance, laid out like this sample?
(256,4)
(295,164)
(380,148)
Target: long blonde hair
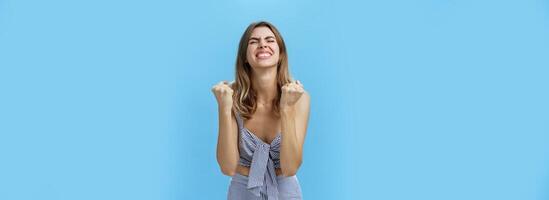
(245,96)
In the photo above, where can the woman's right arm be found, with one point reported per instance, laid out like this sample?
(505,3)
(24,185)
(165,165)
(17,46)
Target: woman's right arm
(227,140)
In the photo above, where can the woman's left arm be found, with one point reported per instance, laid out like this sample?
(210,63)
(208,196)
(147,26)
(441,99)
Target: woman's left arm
(294,114)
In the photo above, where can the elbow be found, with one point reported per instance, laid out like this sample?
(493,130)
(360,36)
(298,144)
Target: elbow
(227,166)
(228,171)
(287,173)
(290,170)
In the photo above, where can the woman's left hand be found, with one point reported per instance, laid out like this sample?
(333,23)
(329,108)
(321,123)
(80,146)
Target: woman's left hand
(291,92)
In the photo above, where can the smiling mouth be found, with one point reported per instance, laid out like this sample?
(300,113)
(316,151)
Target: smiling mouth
(263,55)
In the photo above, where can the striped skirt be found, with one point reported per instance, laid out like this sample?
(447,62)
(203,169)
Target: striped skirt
(288,189)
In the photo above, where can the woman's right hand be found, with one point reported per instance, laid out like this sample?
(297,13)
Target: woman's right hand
(223,94)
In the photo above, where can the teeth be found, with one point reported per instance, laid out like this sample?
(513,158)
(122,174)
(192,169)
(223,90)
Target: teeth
(263,55)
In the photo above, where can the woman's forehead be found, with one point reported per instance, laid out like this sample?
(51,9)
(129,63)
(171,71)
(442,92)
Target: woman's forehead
(262,32)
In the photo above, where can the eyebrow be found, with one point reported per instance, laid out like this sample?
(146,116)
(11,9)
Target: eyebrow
(268,37)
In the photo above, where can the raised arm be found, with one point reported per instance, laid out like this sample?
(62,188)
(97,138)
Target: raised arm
(227,140)
(294,113)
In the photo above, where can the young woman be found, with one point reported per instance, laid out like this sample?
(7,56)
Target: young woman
(263,120)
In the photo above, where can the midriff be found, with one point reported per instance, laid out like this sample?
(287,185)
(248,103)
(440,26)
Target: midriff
(246,170)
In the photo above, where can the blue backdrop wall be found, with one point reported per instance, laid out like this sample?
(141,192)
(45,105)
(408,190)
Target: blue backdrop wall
(415,99)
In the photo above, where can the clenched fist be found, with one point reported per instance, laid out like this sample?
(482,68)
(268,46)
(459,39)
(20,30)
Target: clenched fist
(291,92)
(224,95)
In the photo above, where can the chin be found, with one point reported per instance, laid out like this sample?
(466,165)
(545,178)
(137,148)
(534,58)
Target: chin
(265,65)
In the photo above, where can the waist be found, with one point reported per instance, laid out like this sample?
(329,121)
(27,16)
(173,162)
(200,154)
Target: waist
(246,170)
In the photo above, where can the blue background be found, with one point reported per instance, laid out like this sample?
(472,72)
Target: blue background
(424,99)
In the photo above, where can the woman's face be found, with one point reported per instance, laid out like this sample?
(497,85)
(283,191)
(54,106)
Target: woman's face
(262,48)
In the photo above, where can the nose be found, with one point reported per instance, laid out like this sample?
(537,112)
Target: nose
(262,44)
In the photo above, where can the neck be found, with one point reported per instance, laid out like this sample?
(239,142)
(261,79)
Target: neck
(264,83)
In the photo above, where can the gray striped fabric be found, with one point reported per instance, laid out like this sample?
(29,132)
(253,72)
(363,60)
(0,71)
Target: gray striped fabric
(288,187)
(262,158)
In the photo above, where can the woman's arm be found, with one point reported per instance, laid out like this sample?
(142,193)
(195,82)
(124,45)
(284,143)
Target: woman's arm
(227,140)
(294,120)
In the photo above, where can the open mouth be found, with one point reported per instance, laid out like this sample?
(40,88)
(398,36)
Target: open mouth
(263,54)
